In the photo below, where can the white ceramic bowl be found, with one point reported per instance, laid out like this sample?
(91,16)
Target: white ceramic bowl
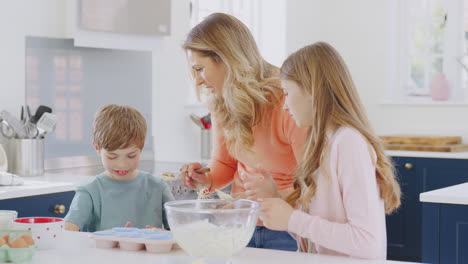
(6,219)
(45,230)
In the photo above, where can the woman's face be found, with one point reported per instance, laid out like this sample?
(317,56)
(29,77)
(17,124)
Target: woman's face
(298,103)
(207,72)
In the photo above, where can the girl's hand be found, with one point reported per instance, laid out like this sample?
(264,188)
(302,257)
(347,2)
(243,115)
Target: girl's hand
(192,179)
(260,186)
(275,213)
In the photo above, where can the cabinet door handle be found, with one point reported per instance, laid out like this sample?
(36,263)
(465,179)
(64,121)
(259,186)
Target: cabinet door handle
(408,166)
(59,209)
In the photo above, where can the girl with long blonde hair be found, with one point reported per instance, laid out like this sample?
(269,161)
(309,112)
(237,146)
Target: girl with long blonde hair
(344,183)
(252,134)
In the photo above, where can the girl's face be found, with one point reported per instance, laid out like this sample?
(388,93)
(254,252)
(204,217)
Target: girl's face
(297,102)
(207,72)
(121,164)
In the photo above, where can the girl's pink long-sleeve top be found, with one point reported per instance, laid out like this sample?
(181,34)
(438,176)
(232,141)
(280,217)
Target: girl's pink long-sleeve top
(346,215)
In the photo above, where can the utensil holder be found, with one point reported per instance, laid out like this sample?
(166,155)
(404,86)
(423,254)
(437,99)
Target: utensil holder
(205,145)
(26,156)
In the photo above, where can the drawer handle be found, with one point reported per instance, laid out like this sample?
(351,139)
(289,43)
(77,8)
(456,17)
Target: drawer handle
(59,209)
(408,166)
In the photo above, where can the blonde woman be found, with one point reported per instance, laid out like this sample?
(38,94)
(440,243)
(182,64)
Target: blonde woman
(252,134)
(345,183)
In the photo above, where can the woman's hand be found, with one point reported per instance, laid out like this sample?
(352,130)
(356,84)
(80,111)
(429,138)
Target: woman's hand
(260,186)
(275,213)
(192,179)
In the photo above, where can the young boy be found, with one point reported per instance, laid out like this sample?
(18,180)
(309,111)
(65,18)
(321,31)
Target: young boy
(121,193)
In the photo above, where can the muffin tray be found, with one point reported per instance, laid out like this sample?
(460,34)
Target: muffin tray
(134,239)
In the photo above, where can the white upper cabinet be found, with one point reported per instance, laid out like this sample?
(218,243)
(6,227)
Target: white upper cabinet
(119,24)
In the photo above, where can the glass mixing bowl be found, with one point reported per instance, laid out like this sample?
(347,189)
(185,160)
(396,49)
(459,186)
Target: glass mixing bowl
(212,228)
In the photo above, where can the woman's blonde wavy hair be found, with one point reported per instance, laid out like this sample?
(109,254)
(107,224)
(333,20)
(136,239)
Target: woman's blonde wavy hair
(251,85)
(321,72)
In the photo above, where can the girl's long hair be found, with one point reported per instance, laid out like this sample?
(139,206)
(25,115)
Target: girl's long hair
(320,70)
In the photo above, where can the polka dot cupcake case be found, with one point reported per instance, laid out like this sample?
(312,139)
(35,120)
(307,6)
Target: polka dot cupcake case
(134,239)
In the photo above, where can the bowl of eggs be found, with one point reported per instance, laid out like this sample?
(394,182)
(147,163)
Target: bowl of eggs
(16,245)
(45,230)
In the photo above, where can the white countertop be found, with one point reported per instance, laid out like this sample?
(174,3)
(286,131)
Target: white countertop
(457,194)
(64,180)
(76,247)
(428,154)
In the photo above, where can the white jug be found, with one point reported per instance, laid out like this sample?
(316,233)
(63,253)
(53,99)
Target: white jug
(3,159)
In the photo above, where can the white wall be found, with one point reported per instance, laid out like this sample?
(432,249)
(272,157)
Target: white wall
(18,19)
(361,32)
(175,137)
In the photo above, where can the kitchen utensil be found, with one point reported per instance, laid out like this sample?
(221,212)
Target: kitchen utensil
(212,228)
(30,129)
(39,112)
(197,121)
(3,159)
(13,123)
(45,230)
(206,121)
(223,196)
(202,192)
(176,175)
(22,114)
(28,112)
(46,124)
(6,129)
(26,156)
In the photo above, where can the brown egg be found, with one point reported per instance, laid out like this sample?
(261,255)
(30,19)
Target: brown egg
(28,239)
(2,241)
(7,238)
(18,243)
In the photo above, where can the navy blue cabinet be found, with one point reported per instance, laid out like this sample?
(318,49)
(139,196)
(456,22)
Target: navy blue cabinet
(445,233)
(417,175)
(52,205)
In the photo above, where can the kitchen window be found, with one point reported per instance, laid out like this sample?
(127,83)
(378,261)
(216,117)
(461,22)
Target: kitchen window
(76,81)
(431,56)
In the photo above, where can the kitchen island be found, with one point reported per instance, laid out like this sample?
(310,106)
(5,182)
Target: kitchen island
(76,247)
(445,225)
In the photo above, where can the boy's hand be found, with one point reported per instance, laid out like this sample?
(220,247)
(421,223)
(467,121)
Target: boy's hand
(275,213)
(71,227)
(192,179)
(260,186)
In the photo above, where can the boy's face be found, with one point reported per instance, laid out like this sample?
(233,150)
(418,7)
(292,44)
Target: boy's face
(121,164)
